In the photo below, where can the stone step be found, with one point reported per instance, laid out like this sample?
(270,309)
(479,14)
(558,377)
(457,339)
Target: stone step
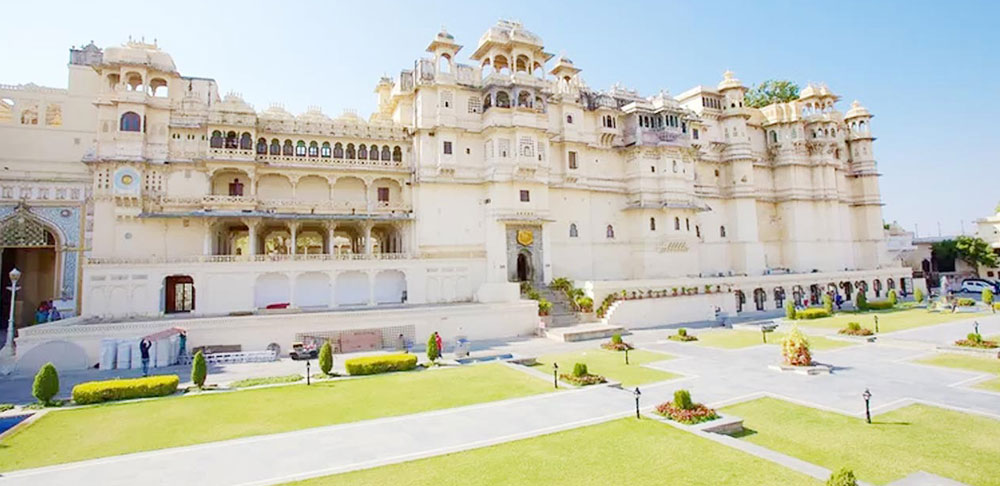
(584,332)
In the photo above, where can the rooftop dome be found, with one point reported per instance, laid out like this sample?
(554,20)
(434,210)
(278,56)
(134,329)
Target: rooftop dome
(232,102)
(276,112)
(141,53)
(729,81)
(313,114)
(349,116)
(857,111)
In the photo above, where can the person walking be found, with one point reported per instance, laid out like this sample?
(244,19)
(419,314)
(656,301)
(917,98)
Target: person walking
(182,340)
(437,339)
(144,346)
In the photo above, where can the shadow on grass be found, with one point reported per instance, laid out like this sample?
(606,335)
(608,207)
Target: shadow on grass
(746,432)
(876,422)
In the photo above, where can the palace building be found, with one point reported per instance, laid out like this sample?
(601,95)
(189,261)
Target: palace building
(467,179)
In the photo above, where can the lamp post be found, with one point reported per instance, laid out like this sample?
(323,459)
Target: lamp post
(876,324)
(637,393)
(555,375)
(307,373)
(626,355)
(867,395)
(8,349)
(976,325)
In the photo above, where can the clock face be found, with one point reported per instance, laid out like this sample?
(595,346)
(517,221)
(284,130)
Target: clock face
(126,180)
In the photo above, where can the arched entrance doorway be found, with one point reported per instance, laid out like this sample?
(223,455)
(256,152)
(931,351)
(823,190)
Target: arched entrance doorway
(759,297)
(28,245)
(178,294)
(523,267)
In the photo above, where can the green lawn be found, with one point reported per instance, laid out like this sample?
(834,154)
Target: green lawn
(888,320)
(112,429)
(626,452)
(730,339)
(611,365)
(951,444)
(967,362)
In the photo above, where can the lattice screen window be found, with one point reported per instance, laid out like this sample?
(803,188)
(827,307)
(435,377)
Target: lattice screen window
(22,231)
(489,148)
(475,104)
(541,150)
(153,182)
(527,147)
(504,147)
(446,99)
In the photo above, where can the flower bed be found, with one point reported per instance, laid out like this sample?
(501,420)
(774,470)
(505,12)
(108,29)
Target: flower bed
(616,344)
(267,380)
(855,329)
(682,335)
(582,380)
(974,340)
(697,414)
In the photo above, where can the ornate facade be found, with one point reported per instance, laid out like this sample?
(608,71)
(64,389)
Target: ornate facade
(466,179)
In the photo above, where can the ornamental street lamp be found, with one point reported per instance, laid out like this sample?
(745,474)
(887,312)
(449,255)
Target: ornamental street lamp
(8,349)
(555,375)
(637,393)
(626,355)
(876,324)
(976,323)
(307,373)
(867,395)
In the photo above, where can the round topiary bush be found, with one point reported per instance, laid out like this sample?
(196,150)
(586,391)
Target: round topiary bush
(682,332)
(861,302)
(326,358)
(682,400)
(46,384)
(789,310)
(893,299)
(842,477)
(616,338)
(987,297)
(795,348)
(918,295)
(580,369)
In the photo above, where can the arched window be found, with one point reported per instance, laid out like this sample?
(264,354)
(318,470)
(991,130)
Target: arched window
(397,154)
(610,232)
(262,146)
(503,100)
(697,231)
(131,122)
(300,149)
(214,142)
(325,150)
(350,153)
(338,151)
(569,119)
(573,233)
(722,231)
(313,149)
(373,152)
(524,99)
(362,151)
(288,149)
(774,137)
(652,224)
(246,142)
(386,154)
(677,223)
(275,147)
(231,140)
(487,102)
(687,224)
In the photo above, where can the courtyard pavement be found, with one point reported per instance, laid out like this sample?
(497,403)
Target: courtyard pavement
(715,376)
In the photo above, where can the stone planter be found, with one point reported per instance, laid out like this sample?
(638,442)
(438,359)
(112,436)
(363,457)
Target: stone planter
(586,316)
(815,369)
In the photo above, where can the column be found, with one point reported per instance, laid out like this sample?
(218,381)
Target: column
(209,236)
(331,231)
(293,229)
(252,225)
(368,239)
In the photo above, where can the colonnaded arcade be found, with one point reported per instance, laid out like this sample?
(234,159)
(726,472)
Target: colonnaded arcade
(465,179)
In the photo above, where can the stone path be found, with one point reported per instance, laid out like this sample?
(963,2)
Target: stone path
(715,376)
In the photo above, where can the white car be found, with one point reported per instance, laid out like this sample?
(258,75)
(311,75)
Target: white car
(977,286)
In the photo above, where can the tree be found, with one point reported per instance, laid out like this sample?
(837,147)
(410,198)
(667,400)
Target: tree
(433,353)
(893,298)
(326,358)
(771,91)
(199,370)
(987,296)
(842,477)
(975,251)
(918,295)
(46,384)
(795,348)
(944,254)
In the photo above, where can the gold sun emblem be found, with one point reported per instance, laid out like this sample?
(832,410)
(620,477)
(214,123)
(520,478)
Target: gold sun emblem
(525,237)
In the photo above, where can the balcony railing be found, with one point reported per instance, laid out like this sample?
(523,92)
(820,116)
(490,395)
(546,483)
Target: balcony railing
(217,202)
(249,258)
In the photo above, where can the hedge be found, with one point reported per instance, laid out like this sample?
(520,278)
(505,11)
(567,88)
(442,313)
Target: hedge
(371,365)
(880,305)
(110,390)
(813,313)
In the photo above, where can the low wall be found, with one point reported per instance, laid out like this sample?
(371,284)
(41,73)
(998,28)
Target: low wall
(74,346)
(670,310)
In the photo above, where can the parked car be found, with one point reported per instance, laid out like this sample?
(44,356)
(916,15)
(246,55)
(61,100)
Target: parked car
(976,285)
(303,351)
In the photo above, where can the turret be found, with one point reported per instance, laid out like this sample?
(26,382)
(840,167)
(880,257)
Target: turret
(444,49)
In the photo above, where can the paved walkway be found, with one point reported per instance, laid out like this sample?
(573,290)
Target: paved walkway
(715,376)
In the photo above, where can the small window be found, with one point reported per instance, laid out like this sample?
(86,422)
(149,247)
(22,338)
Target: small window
(716,172)
(697,231)
(131,122)
(300,148)
(694,133)
(652,169)
(325,150)
(572,160)
(722,231)
(569,119)
(383,194)
(447,148)
(687,224)
(677,223)
(610,232)
(573,233)
(525,195)
(652,224)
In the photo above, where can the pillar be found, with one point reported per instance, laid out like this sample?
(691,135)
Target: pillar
(368,238)
(331,230)
(293,230)
(252,225)
(209,236)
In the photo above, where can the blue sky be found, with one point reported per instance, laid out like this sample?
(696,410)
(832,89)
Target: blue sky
(929,71)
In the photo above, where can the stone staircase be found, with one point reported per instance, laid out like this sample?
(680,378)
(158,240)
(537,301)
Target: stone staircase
(562,312)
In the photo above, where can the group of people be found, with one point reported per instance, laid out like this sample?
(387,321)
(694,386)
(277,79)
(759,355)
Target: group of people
(46,312)
(145,344)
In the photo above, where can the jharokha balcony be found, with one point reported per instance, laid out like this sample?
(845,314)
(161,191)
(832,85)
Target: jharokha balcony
(213,202)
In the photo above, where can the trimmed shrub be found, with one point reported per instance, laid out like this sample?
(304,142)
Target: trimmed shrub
(842,477)
(855,329)
(580,369)
(682,332)
(892,297)
(860,301)
(974,340)
(682,399)
(789,310)
(544,307)
(987,297)
(828,303)
(370,365)
(966,302)
(6,406)
(46,383)
(918,295)
(812,313)
(880,305)
(199,369)
(125,389)
(682,335)
(433,353)
(616,338)
(326,358)
(795,348)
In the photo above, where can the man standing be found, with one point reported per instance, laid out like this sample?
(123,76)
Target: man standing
(144,346)
(182,341)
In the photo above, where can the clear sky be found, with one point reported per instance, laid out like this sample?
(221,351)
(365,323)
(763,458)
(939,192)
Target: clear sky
(929,71)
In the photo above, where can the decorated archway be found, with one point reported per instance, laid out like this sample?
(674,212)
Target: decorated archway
(33,247)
